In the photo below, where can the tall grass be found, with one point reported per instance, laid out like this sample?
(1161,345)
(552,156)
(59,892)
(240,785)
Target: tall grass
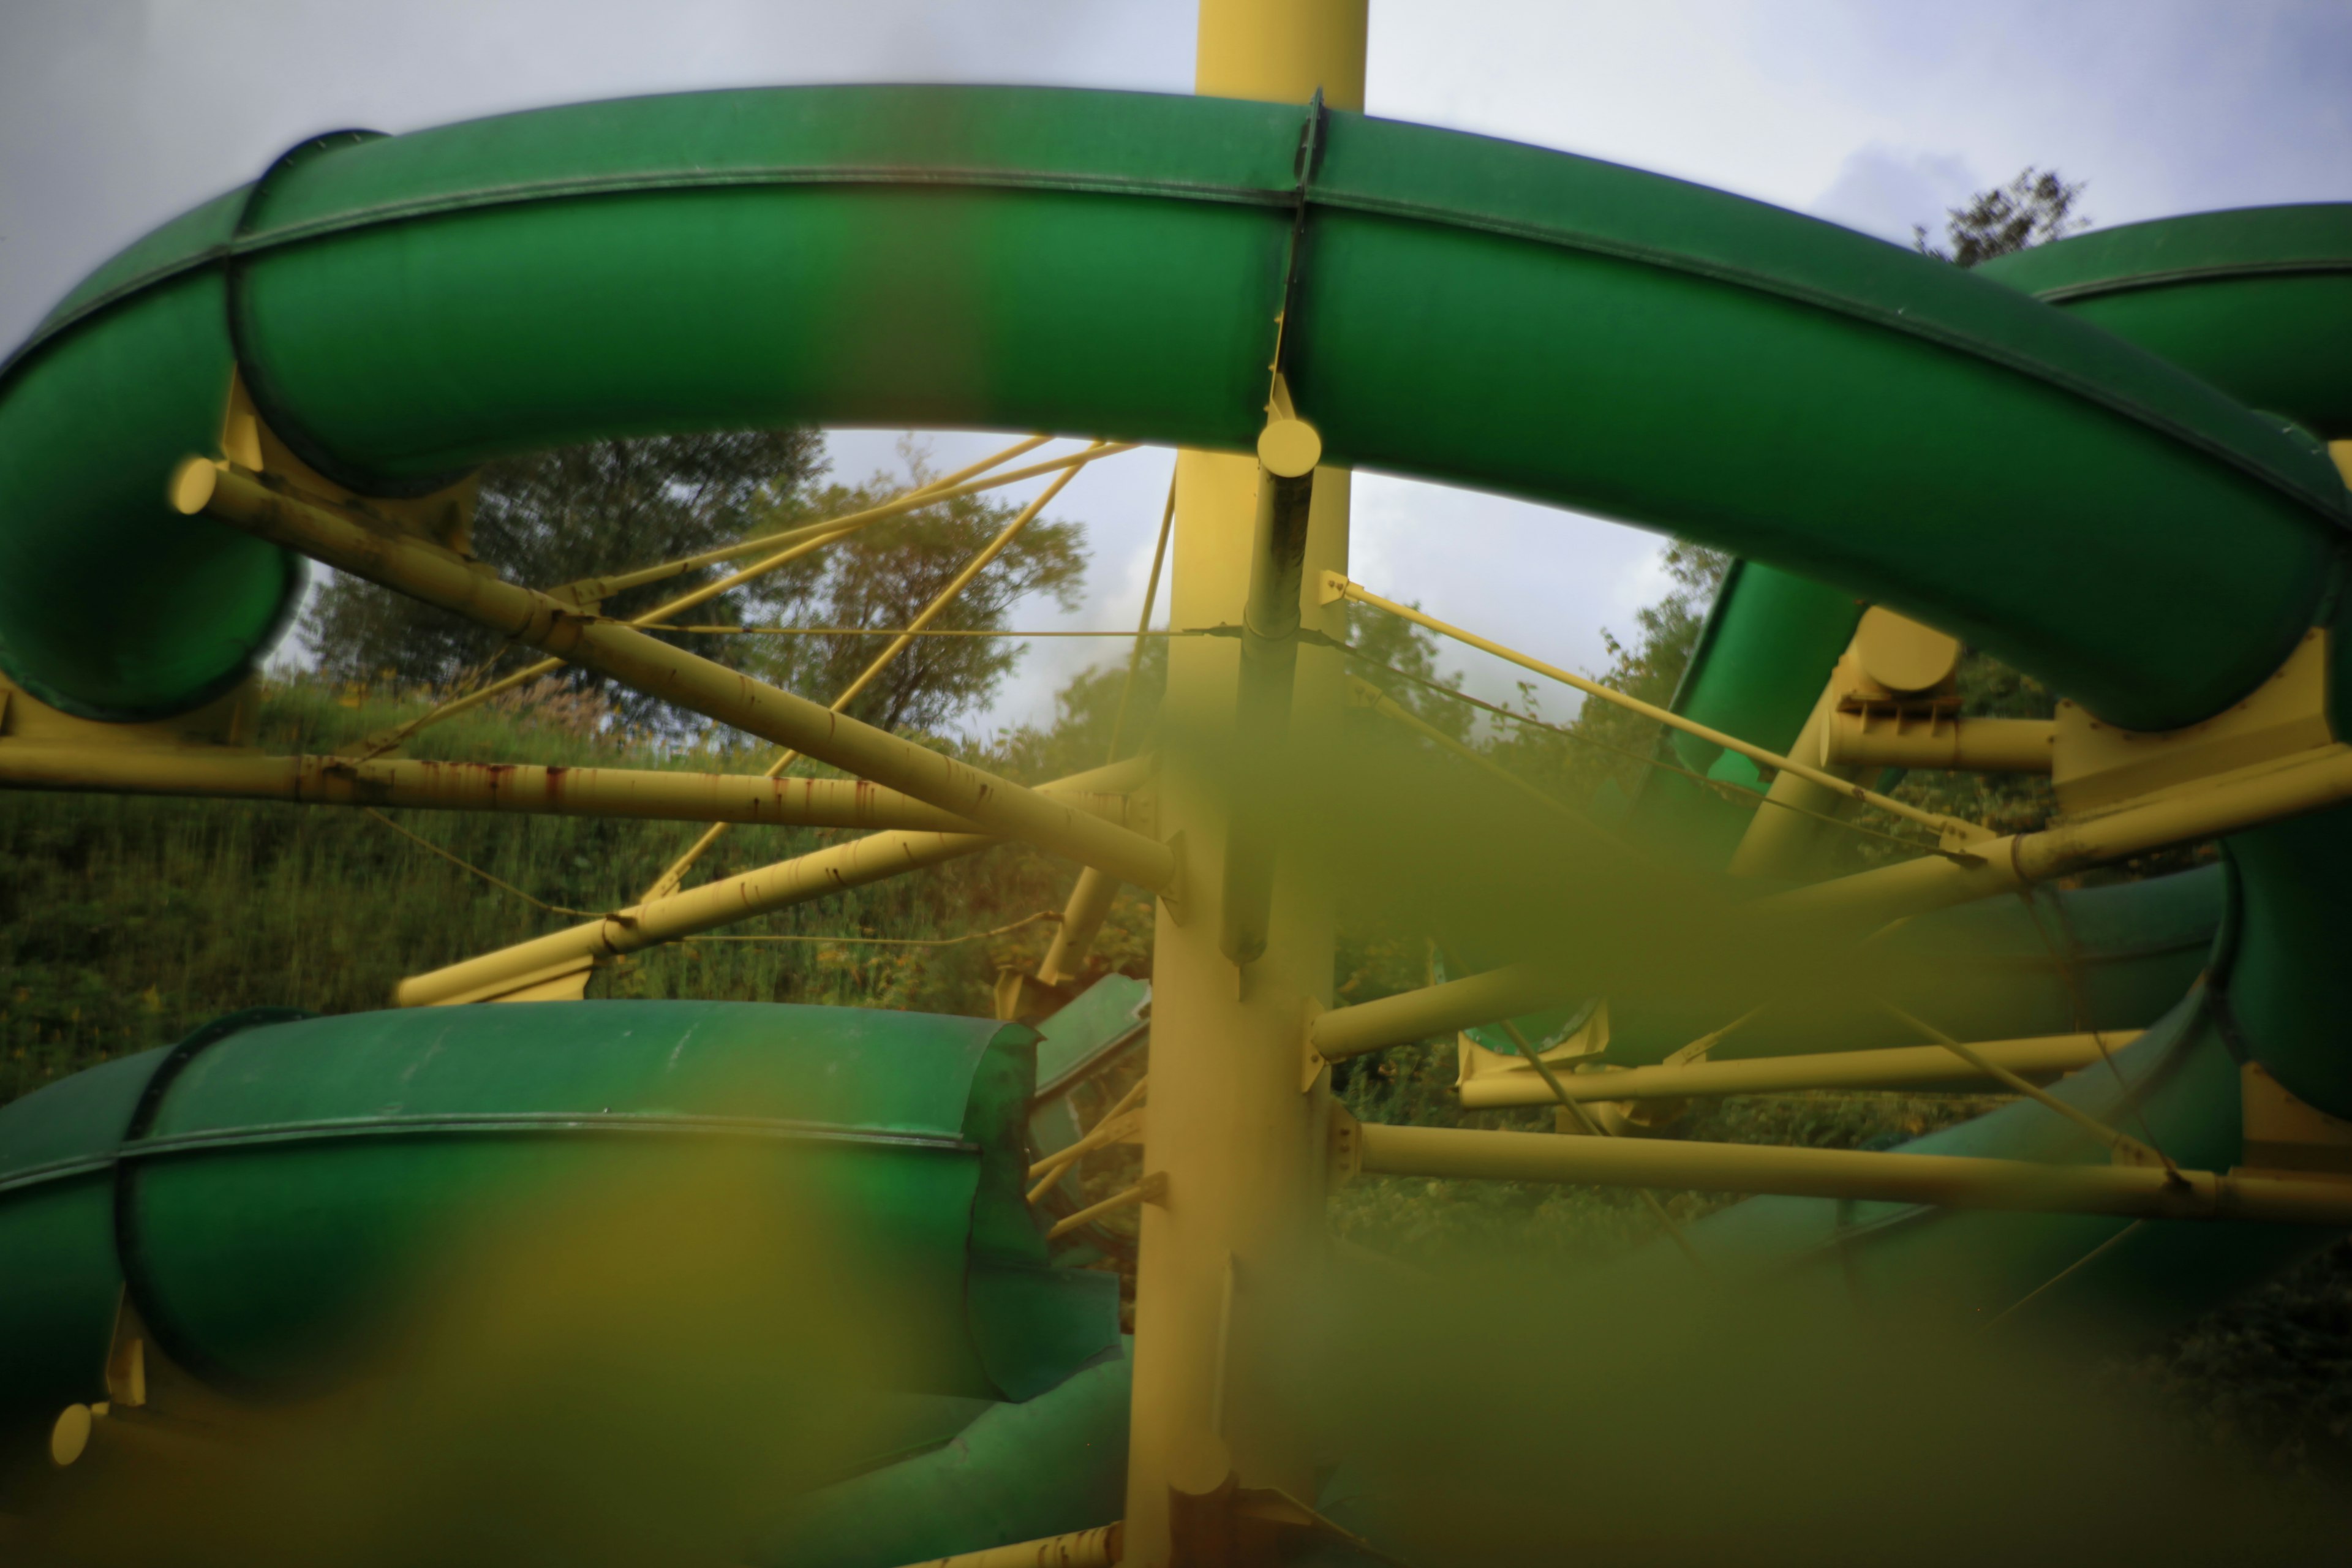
(126,921)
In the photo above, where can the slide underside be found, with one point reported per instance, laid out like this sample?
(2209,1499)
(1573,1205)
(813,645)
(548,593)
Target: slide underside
(1833,410)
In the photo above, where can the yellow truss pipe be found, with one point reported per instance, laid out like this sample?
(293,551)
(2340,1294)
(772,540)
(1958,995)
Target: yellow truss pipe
(1096,1548)
(1091,896)
(1152,1189)
(438,577)
(1337,587)
(2183,815)
(1949,1179)
(596,590)
(801,542)
(678,869)
(1905,1067)
(1462,1004)
(522,788)
(2122,1143)
(873,858)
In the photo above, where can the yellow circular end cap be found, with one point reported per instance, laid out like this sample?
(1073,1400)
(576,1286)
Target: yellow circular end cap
(1901,655)
(70,1437)
(1200,1464)
(192,486)
(1289,448)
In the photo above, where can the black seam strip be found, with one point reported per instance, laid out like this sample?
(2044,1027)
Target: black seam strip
(129,1254)
(273,408)
(2220,272)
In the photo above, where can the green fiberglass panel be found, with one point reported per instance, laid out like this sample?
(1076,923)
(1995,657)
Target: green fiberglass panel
(1763,657)
(1052,1465)
(117,606)
(2257,300)
(687,309)
(303,1191)
(1468,309)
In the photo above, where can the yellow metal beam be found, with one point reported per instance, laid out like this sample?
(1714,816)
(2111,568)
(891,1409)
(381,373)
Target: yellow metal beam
(1952,1181)
(587,594)
(2186,814)
(1905,1067)
(1343,1032)
(948,487)
(874,859)
(675,873)
(521,788)
(998,806)
(1096,1548)
(1242,1148)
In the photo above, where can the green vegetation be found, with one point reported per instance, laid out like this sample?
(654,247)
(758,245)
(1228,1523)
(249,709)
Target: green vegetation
(126,921)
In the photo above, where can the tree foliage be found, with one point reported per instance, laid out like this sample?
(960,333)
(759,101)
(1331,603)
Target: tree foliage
(1604,749)
(884,576)
(549,518)
(2034,208)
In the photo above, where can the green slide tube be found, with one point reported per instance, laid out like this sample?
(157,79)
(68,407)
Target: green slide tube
(1049,1466)
(403,308)
(2259,302)
(1763,654)
(269,1193)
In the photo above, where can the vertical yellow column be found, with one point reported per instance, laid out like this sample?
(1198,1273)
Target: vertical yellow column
(1226,1261)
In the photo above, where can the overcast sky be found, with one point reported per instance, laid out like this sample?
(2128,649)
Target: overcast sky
(115,114)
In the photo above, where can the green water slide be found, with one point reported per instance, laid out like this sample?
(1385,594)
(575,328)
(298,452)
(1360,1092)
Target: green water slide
(2260,303)
(1466,310)
(269,1193)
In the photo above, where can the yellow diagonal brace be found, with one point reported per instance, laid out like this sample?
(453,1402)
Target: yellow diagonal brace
(676,871)
(440,577)
(1336,587)
(799,541)
(594,590)
(873,858)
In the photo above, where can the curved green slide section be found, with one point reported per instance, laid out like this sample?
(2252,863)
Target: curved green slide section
(1468,310)
(2260,301)
(270,1196)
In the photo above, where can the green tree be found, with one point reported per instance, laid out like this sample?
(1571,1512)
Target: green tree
(884,576)
(1401,658)
(549,518)
(1604,744)
(2033,209)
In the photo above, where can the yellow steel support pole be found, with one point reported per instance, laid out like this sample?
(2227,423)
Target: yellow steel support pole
(521,788)
(1957,1181)
(1227,1250)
